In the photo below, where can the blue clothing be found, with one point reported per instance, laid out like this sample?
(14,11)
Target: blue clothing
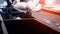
(1,1)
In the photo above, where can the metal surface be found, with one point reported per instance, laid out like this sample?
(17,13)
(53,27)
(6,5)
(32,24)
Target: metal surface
(49,19)
(3,25)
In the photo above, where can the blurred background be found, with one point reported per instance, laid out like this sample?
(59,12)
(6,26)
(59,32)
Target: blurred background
(29,16)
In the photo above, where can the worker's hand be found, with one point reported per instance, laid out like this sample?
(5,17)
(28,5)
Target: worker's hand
(20,5)
(34,5)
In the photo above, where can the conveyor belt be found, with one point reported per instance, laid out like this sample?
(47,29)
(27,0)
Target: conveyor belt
(48,19)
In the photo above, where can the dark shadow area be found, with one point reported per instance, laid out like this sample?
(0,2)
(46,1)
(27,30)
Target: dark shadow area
(1,32)
(28,27)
